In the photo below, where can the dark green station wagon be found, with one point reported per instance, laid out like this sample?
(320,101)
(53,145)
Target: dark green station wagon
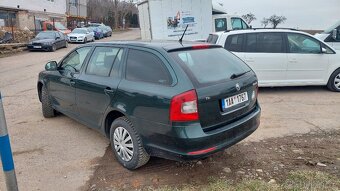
(173,100)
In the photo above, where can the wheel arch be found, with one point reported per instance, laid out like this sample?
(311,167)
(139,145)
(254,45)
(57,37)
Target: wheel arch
(331,73)
(39,88)
(109,118)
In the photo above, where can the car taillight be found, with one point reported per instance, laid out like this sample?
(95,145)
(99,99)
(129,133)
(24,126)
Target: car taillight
(183,107)
(255,91)
(200,46)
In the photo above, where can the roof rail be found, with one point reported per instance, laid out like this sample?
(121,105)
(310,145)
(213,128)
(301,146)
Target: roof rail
(262,28)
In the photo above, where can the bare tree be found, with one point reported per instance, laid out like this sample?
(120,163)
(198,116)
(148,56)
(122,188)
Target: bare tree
(276,20)
(249,17)
(111,12)
(265,22)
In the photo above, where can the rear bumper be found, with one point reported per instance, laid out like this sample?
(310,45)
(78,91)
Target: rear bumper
(184,142)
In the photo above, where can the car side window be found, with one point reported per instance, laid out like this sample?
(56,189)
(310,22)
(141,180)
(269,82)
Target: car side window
(49,27)
(303,44)
(146,67)
(251,42)
(75,60)
(234,43)
(220,24)
(62,36)
(102,60)
(270,42)
(244,25)
(237,23)
(212,38)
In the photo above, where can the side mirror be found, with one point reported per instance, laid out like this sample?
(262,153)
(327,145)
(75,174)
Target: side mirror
(323,50)
(51,66)
(57,38)
(334,34)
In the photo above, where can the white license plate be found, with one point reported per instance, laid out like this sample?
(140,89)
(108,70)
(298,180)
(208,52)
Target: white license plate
(234,100)
(36,46)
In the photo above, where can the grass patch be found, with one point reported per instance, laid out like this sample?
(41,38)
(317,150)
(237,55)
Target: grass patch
(296,181)
(311,181)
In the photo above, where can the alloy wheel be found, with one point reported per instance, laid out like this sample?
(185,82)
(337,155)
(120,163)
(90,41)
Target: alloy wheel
(337,81)
(123,143)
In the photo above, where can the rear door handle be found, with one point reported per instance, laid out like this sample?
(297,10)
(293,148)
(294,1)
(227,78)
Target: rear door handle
(108,91)
(292,61)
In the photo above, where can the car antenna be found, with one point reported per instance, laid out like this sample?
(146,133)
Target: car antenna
(181,39)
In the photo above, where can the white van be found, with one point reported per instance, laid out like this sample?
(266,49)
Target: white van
(331,36)
(167,19)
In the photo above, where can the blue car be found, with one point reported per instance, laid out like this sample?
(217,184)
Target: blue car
(98,32)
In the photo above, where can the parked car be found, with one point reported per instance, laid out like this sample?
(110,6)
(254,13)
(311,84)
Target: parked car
(331,36)
(106,30)
(109,30)
(171,100)
(82,35)
(48,41)
(51,26)
(282,57)
(98,33)
(94,24)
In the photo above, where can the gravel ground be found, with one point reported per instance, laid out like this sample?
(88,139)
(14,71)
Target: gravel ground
(61,154)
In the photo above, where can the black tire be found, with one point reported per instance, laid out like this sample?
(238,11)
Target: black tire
(85,40)
(332,84)
(53,48)
(139,157)
(46,104)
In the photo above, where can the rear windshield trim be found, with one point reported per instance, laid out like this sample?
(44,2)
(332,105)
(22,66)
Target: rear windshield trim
(191,48)
(194,79)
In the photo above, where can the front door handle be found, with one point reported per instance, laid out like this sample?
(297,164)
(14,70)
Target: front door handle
(108,91)
(249,60)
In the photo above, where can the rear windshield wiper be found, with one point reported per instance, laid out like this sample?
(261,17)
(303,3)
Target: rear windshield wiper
(233,76)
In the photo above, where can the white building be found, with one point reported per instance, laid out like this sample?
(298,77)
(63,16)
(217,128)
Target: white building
(25,13)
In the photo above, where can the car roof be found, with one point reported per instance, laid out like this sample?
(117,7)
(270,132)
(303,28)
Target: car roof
(48,31)
(83,28)
(165,45)
(258,30)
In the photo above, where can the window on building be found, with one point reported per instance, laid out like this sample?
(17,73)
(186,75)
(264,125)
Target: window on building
(7,20)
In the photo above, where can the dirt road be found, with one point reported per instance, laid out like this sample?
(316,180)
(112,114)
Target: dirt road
(61,154)
(53,154)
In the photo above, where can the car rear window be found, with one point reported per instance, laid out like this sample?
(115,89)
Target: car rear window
(213,65)
(212,38)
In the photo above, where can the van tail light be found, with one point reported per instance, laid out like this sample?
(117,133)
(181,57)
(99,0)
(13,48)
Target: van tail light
(183,107)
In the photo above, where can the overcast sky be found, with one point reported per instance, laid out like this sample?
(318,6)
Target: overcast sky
(302,14)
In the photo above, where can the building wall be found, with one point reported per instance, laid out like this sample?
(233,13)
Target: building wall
(76,8)
(51,6)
